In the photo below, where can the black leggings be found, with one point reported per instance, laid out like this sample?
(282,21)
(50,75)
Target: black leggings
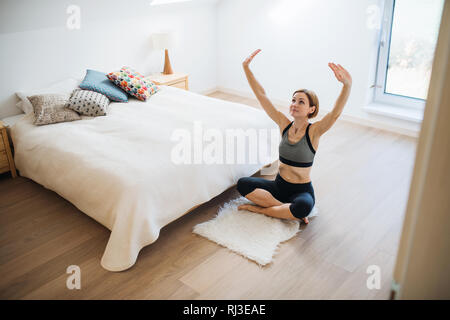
(299,195)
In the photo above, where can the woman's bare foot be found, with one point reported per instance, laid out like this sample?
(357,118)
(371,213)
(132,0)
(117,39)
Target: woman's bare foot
(257,209)
(242,207)
(249,207)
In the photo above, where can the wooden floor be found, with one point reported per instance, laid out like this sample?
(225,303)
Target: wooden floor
(361,178)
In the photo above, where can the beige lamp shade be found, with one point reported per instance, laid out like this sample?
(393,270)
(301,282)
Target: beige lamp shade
(162,41)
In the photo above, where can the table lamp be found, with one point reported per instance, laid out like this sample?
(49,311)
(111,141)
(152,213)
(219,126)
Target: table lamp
(164,41)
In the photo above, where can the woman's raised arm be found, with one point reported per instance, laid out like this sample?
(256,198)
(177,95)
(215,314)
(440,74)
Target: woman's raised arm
(330,118)
(260,94)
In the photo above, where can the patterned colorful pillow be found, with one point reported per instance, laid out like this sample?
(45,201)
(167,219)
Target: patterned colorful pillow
(133,83)
(88,103)
(98,82)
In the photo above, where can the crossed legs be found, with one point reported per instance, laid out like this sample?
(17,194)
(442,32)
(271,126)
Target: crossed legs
(260,192)
(263,198)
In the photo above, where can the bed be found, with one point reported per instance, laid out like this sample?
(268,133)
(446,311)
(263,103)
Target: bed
(119,169)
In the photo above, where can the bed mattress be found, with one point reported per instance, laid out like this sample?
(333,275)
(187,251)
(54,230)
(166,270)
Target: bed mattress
(119,169)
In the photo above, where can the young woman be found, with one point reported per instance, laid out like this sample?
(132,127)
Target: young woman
(291,194)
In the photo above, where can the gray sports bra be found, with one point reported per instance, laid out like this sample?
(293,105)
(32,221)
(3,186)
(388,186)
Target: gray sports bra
(299,154)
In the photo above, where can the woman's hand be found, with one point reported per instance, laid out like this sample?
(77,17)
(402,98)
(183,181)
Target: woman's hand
(249,59)
(341,74)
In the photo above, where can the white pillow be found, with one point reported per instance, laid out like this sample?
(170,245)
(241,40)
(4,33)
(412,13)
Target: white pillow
(62,87)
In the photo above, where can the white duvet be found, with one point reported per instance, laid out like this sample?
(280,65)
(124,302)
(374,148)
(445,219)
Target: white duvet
(118,168)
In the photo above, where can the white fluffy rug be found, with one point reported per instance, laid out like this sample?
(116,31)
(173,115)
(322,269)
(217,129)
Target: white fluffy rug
(253,235)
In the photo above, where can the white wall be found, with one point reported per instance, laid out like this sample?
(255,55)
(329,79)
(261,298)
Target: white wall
(298,39)
(37,48)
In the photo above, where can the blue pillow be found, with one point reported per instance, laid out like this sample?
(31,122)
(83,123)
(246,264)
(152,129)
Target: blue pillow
(98,82)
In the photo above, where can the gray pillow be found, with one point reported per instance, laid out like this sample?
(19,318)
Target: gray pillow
(49,108)
(88,103)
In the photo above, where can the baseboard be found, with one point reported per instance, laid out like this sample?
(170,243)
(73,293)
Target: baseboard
(209,91)
(344,116)
(277,102)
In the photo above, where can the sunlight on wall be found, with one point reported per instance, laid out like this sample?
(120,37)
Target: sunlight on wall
(158,2)
(282,12)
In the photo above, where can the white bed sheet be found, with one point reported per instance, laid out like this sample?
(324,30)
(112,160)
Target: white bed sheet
(9,122)
(117,169)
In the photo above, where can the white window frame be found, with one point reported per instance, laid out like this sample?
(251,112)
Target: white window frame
(380,96)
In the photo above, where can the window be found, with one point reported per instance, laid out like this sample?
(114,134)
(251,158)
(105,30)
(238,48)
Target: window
(409,34)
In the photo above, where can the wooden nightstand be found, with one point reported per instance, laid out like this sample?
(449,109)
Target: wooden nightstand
(178,80)
(6,159)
